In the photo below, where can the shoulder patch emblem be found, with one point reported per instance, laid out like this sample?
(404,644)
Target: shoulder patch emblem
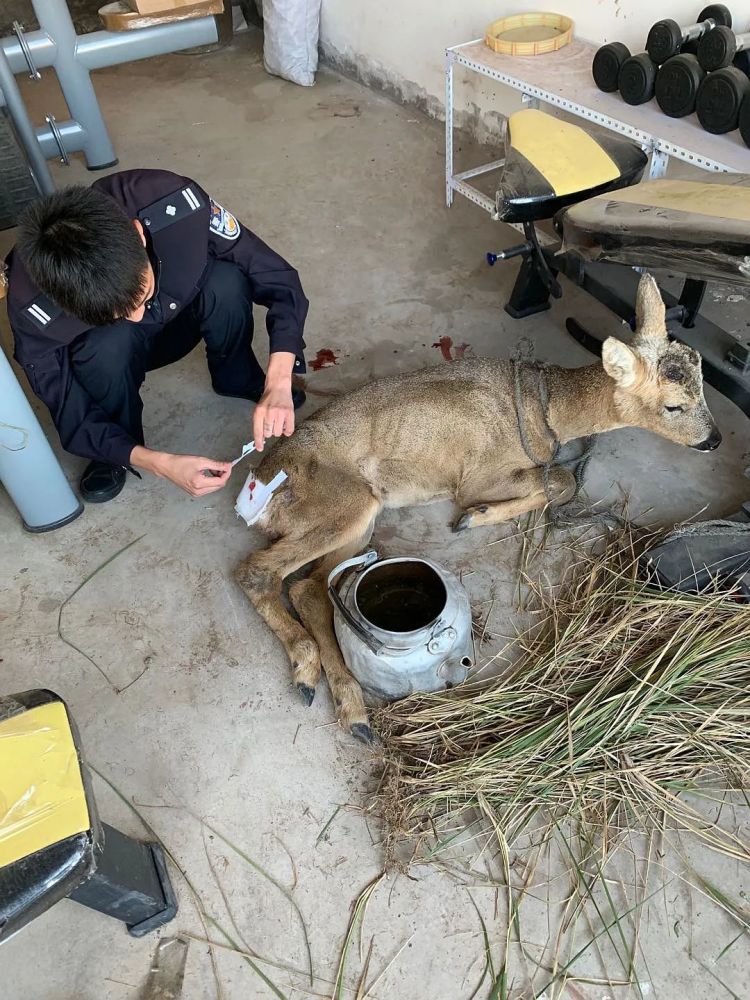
(42,312)
(175,207)
(223,223)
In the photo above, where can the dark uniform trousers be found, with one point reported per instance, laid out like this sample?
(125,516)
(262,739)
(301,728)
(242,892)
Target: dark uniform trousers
(111,362)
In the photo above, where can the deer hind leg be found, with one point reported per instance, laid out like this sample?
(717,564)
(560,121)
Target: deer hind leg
(321,523)
(530,485)
(312,604)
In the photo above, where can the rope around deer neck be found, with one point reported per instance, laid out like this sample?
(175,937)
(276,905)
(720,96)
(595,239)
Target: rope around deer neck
(570,513)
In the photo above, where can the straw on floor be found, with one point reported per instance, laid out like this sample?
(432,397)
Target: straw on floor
(623,699)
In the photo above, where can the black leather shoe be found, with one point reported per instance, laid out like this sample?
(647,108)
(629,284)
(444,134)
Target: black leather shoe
(254,395)
(101,482)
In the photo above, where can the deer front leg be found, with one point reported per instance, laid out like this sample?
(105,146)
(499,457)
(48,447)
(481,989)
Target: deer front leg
(261,576)
(311,602)
(482,513)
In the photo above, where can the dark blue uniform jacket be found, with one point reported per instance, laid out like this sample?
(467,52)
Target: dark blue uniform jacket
(186,231)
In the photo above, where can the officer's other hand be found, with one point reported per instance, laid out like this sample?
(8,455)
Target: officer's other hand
(197,476)
(274,414)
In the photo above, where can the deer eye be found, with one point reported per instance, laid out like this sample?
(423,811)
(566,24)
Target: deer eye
(674,409)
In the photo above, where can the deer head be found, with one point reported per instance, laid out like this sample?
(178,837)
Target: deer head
(658,383)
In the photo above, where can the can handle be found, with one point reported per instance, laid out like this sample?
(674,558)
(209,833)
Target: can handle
(362,562)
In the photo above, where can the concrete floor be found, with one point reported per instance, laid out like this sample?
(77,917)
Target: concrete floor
(350,187)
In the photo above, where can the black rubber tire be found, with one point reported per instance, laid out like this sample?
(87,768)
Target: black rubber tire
(17,188)
(717,12)
(664,40)
(744,121)
(677,84)
(719,99)
(606,65)
(637,79)
(717,48)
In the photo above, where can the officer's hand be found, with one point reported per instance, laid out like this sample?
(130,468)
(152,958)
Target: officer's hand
(274,414)
(197,476)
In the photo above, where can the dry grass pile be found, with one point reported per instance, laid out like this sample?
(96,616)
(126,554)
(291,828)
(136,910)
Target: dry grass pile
(624,699)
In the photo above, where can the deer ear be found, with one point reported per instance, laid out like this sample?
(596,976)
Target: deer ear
(649,310)
(620,362)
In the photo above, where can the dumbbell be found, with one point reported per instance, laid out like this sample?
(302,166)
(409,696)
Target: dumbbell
(637,79)
(615,69)
(666,38)
(677,85)
(744,121)
(720,47)
(606,66)
(720,98)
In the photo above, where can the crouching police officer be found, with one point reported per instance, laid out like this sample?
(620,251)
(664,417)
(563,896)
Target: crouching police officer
(110,282)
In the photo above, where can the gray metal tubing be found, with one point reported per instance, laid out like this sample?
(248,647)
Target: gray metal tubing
(24,129)
(43,49)
(109,48)
(73,57)
(75,82)
(99,49)
(73,136)
(29,470)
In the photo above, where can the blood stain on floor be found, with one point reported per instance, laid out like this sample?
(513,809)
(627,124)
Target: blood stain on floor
(325,358)
(445,345)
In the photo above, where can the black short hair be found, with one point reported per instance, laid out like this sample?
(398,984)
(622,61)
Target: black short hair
(81,249)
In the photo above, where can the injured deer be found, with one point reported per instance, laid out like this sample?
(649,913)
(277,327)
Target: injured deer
(451,432)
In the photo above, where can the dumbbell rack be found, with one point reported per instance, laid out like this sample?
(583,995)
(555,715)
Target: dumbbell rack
(563,80)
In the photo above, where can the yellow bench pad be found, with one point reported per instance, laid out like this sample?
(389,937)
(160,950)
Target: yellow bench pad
(42,798)
(568,158)
(720,201)
(550,163)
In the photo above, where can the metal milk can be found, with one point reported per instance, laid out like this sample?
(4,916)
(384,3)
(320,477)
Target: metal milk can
(403,624)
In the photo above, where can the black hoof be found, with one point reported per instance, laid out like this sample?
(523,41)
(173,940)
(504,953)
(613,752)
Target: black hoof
(307,692)
(362,732)
(462,523)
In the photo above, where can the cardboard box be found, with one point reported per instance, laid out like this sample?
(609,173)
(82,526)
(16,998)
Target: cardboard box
(158,6)
(118,16)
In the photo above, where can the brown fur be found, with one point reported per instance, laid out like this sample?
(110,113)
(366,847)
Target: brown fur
(449,432)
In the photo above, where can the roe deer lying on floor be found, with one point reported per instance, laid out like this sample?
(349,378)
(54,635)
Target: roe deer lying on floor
(452,432)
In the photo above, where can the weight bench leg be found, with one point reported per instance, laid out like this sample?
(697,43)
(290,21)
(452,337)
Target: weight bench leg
(582,335)
(130,883)
(691,300)
(530,294)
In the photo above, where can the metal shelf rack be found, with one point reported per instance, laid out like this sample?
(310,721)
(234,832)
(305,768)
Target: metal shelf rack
(563,79)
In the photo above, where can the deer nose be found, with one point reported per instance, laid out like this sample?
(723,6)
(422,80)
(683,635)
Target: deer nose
(711,443)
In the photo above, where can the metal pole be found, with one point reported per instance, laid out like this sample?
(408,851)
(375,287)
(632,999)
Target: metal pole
(659,162)
(43,51)
(24,129)
(29,470)
(72,135)
(76,84)
(99,49)
(109,48)
(77,56)
(449,129)
(56,44)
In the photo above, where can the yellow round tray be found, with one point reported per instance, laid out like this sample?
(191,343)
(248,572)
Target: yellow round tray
(529,34)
